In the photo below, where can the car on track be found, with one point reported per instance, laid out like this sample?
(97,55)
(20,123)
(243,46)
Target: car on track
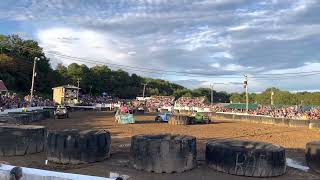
(61,112)
(200,118)
(163,117)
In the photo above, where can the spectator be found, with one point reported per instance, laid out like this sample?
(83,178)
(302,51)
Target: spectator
(11,100)
(16,173)
(158,102)
(191,102)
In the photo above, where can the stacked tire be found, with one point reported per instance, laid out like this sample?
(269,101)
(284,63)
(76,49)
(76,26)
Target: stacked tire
(21,140)
(163,153)
(179,120)
(77,147)
(313,155)
(246,158)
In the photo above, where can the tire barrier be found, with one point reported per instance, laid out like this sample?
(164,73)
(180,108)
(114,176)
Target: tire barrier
(50,111)
(178,119)
(313,155)
(78,147)
(138,111)
(6,119)
(21,119)
(28,117)
(21,140)
(246,158)
(163,153)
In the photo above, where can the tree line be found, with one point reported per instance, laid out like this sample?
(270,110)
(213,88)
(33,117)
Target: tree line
(279,97)
(16,63)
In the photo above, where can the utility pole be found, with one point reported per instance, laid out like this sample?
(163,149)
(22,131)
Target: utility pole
(78,81)
(90,89)
(272,93)
(32,81)
(211,87)
(144,89)
(246,86)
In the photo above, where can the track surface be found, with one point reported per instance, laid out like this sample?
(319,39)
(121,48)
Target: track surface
(293,139)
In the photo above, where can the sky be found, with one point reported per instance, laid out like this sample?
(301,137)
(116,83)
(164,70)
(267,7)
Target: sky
(210,41)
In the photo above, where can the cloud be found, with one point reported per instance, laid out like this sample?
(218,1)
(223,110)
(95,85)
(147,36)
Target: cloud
(221,37)
(84,44)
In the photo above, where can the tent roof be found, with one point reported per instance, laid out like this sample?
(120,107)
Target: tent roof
(67,87)
(2,86)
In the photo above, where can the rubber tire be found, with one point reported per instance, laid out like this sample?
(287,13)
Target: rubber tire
(157,119)
(246,158)
(313,155)
(21,140)
(180,120)
(163,153)
(78,147)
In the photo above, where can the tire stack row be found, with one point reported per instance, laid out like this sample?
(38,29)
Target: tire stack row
(167,153)
(180,120)
(163,153)
(77,147)
(21,140)
(246,158)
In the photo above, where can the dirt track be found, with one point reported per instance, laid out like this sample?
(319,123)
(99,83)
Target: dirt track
(293,139)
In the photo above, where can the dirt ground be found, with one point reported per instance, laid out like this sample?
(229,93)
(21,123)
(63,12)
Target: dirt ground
(293,139)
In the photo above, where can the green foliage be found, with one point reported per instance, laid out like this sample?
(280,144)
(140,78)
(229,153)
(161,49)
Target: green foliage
(16,63)
(279,98)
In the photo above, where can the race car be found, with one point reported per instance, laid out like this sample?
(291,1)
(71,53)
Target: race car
(124,118)
(61,112)
(163,117)
(200,118)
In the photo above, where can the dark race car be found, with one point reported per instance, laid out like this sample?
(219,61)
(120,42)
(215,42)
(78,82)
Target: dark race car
(61,112)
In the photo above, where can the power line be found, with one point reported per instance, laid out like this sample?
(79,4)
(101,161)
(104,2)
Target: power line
(179,73)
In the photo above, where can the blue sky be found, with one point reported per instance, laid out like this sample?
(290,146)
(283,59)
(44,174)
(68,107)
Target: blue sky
(228,38)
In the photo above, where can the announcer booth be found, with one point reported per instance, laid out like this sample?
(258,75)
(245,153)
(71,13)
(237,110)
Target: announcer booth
(66,94)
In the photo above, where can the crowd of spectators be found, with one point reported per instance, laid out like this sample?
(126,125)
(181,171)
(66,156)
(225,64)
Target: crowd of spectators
(191,102)
(92,100)
(37,101)
(291,112)
(12,100)
(156,102)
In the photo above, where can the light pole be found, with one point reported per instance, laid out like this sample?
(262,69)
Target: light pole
(272,93)
(144,89)
(211,87)
(90,89)
(78,81)
(32,81)
(246,86)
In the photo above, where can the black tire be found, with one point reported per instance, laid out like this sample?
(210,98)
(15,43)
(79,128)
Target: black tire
(163,153)
(313,155)
(77,147)
(157,119)
(180,120)
(246,158)
(21,140)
